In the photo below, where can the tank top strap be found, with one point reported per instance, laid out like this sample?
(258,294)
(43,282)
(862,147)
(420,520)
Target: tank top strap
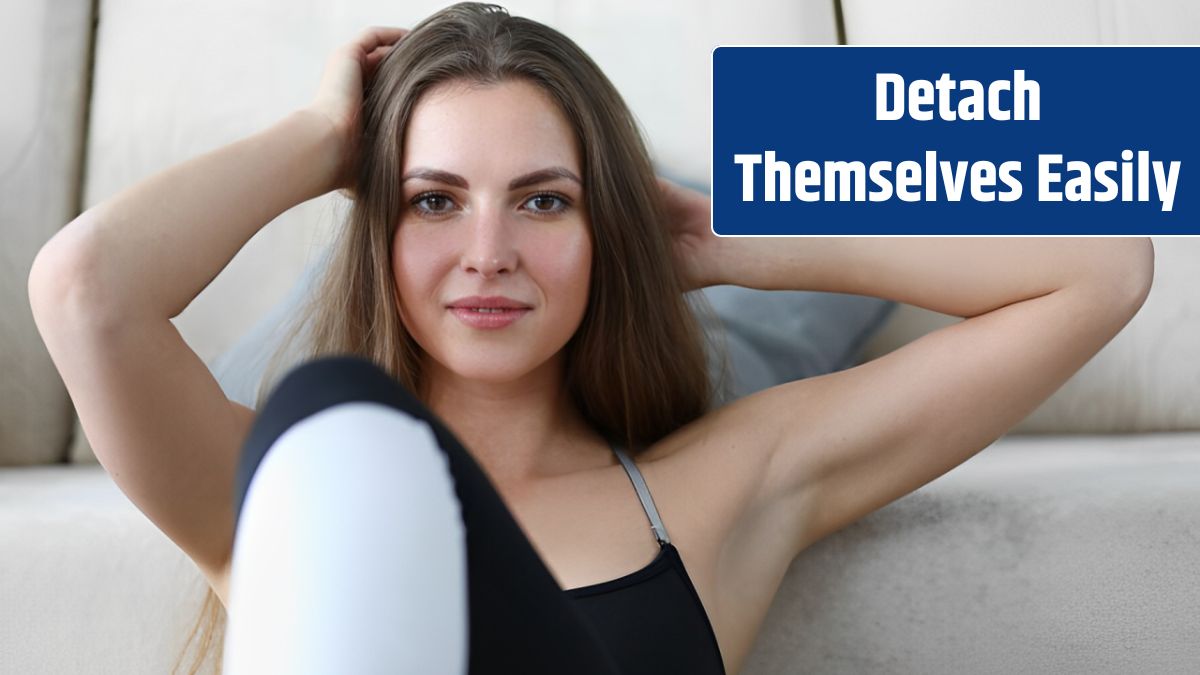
(643,492)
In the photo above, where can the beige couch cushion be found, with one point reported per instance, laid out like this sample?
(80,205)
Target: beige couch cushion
(1041,555)
(44,47)
(87,583)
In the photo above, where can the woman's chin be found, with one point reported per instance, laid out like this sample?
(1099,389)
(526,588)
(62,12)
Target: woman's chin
(493,370)
(494,363)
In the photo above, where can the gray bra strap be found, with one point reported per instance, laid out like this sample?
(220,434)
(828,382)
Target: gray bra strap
(643,492)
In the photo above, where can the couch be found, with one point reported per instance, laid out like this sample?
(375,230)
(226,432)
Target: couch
(1072,544)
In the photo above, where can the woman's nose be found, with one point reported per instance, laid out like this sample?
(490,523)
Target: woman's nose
(490,248)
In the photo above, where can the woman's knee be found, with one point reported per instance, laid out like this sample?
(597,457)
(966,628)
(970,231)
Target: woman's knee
(325,382)
(353,515)
(340,409)
(359,459)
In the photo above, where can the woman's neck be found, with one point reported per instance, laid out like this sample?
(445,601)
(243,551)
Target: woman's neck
(519,431)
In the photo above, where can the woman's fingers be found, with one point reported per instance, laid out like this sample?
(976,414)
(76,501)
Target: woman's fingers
(377,55)
(377,36)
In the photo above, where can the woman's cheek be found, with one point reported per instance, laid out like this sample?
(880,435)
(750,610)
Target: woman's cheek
(565,273)
(575,254)
(412,269)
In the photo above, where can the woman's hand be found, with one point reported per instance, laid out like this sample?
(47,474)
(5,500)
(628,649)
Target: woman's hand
(340,95)
(689,224)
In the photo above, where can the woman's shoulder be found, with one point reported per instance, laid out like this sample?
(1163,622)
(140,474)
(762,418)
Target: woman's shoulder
(723,440)
(707,479)
(713,474)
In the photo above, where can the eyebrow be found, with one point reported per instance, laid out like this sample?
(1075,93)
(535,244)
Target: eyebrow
(531,178)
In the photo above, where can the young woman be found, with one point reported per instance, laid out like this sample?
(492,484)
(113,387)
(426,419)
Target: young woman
(500,457)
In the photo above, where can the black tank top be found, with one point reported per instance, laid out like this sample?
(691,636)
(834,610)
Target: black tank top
(652,619)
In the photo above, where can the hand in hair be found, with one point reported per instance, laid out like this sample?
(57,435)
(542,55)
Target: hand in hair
(694,244)
(339,97)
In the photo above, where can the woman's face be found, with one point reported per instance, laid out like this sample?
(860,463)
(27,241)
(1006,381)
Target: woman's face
(494,210)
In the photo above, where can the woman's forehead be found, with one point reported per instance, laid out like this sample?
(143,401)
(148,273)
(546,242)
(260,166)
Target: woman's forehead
(460,127)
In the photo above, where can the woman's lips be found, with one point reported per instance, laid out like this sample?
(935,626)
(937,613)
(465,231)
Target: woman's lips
(489,319)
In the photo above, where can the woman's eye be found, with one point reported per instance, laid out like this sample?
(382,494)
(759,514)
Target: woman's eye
(546,203)
(433,203)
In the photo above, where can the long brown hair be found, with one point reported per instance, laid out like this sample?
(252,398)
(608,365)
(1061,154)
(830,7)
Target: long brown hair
(636,366)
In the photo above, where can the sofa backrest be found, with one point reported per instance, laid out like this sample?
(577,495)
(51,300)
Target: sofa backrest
(171,82)
(1146,379)
(45,47)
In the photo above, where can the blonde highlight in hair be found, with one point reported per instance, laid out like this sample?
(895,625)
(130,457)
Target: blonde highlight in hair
(636,365)
(210,626)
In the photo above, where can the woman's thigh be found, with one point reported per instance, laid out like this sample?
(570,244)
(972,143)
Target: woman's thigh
(518,619)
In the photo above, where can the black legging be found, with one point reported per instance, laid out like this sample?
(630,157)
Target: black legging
(354,503)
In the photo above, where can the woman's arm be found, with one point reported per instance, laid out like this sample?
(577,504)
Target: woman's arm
(150,249)
(788,466)
(960,276)
(104,289)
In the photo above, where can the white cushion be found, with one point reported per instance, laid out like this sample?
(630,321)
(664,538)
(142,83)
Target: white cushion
(1146,379)
(1021,22)
(87,582)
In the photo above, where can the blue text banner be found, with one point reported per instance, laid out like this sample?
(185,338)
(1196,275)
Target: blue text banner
(956,141)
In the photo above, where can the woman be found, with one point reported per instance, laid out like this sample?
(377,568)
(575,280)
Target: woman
(501,332)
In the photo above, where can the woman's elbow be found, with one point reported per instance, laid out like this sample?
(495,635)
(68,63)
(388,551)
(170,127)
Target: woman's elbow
(1134,271)
(1145,265)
